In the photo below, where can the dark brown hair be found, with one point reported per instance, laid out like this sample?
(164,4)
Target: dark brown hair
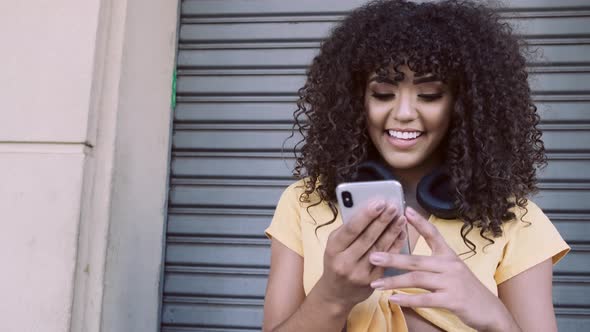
(493,146)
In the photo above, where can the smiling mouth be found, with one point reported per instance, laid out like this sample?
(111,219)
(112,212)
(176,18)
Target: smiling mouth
(405,135)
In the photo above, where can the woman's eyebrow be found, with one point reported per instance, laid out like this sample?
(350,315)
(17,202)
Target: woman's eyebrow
(419,80)
(380,79)
(426,79)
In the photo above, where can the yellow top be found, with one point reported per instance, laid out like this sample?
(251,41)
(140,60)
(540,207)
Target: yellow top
(522,245)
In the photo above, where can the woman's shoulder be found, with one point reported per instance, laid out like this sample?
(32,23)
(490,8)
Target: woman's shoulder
(297,187)
(298,191)
(529,222)
(531,238)
(527,215)
(529,207)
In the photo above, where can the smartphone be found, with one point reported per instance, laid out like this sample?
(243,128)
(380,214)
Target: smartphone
(352,196)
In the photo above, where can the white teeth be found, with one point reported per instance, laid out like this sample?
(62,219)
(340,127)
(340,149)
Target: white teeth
(404,134)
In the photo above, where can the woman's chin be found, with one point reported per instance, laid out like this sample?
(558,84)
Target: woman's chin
(403,163)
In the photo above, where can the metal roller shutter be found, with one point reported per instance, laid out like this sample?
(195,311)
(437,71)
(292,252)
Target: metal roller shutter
(239,65)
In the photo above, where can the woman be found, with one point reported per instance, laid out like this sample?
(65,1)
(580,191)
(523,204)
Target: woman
(418,87)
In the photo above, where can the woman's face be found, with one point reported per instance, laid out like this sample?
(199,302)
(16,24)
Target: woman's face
(407,120)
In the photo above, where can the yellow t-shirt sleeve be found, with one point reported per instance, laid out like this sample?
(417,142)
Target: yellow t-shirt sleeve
(286,222)
(530,242)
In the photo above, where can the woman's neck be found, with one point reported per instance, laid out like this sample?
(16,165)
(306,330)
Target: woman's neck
(409,178)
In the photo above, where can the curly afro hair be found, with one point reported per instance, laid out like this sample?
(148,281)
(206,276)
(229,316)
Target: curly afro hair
(493,146)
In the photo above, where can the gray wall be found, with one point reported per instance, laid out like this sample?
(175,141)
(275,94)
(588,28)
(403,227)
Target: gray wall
(239,66)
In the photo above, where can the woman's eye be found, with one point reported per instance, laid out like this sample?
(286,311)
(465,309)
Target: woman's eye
(430,97)
(383,96)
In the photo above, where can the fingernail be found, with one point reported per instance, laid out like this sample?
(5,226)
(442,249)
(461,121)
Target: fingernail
(390,211)
(378,284)
(411,212)
(394,298)
(378,258)
(378,206)
(393,209)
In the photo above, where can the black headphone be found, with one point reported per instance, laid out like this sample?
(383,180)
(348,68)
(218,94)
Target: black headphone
(434,192)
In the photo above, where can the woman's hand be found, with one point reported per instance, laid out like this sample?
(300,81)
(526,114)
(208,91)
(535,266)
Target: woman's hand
(451,283)
(347,270)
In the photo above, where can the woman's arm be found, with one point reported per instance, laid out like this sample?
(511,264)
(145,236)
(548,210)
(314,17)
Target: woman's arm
(528,297)
(284,290)
(346,275)
(285,299)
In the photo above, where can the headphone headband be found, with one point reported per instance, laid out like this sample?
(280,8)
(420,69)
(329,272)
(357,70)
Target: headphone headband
(434,192)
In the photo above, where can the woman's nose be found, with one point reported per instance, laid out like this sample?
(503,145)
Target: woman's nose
(404,110)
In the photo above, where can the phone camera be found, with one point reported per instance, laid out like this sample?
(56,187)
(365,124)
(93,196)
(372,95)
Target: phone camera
(347,199)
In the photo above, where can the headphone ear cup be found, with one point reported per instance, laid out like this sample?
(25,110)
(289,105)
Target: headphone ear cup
(435,196)
(371,170)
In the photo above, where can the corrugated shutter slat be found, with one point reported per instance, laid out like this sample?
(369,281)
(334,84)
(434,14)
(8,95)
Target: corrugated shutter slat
(240,64)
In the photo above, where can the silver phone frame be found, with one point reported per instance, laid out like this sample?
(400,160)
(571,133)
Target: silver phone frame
(388,190)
